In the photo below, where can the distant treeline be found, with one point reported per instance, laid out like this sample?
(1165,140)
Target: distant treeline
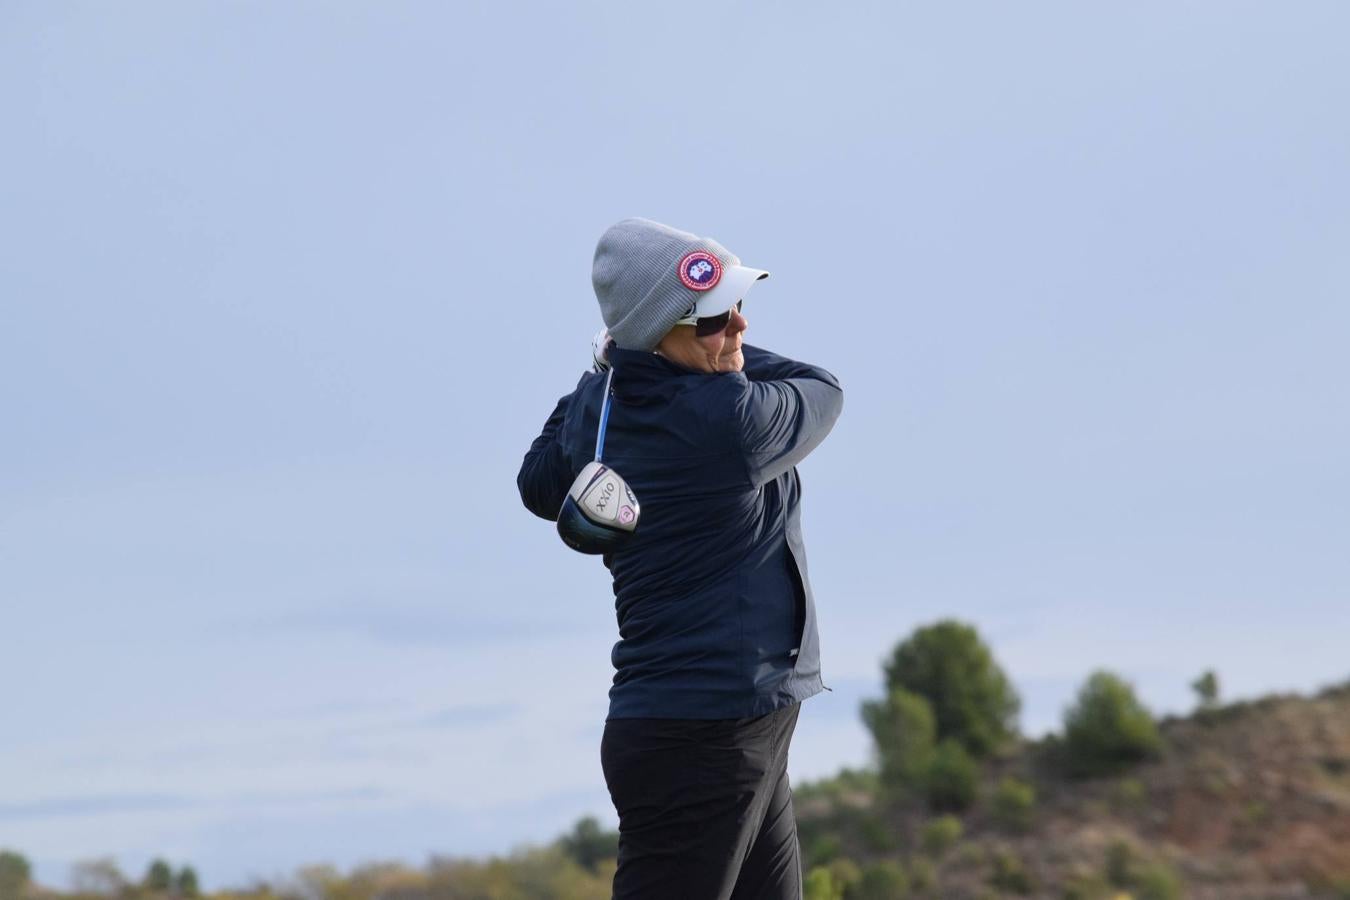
(953,806)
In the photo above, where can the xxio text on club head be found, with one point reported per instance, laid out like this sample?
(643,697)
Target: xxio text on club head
(600,511)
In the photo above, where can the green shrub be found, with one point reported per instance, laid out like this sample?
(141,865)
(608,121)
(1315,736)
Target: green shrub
(832,791)
(971,855)
(185,883)
(922,875)
(881,881)
(158,877)
(940,835)
(588,844)
(1014,804)
(949,666)
(1206,689)
(1107,729)
(1120,863)
(99,876)
(952,778)
(823,850)
(819,885)
(876,835)
(1157,881)
(1145,881)
(1009,874)
(15,872)
(903,735)
(845,874)
(1087,887)
(1127,794)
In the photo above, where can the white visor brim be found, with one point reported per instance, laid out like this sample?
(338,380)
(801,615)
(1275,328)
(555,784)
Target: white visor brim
(732,286)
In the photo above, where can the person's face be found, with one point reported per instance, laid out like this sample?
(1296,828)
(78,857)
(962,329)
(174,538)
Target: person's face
(720,352)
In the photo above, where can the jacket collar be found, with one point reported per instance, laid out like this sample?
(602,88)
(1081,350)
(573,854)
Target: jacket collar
(639,373)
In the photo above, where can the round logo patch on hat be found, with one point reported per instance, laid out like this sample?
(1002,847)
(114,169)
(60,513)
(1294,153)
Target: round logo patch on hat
(700,270)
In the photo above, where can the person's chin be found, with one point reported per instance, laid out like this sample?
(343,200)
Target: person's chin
(733,361)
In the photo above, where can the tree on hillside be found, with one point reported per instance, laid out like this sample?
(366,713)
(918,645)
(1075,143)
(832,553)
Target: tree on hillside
(14,874)
(1107,729)
(949,666)
(97,876)
(588,844)
(185,885)
(158,877)
(904,734)
(951,780)
(1206,689)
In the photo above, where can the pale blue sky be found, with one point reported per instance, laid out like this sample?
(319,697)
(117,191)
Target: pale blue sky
(287,289)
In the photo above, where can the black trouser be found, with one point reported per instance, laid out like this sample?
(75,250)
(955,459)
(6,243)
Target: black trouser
(705,809)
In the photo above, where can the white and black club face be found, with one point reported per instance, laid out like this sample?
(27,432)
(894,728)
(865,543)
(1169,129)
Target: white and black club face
(605,497)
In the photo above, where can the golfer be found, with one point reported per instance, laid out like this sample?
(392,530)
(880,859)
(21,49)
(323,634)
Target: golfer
(717,627)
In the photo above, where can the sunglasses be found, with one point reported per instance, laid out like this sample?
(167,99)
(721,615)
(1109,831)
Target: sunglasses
(709,325)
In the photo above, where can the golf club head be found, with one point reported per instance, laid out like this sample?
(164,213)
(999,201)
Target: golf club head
(599,512)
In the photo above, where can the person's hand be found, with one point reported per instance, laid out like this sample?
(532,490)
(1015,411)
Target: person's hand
(600,350)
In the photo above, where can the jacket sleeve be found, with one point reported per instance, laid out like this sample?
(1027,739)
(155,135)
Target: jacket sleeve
(544,474)
(786,411)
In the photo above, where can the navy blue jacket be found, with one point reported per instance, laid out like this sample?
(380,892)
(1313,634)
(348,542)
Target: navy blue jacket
(716,616)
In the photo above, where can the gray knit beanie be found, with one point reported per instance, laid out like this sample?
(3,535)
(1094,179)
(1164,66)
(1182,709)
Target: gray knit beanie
(637,278)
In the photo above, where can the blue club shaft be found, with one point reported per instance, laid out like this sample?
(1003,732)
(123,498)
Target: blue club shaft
(604,416)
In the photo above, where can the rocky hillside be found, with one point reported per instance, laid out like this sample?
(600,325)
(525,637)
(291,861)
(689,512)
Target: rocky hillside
(1249,801)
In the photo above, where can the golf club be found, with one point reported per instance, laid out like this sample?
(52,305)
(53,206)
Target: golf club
(599,512)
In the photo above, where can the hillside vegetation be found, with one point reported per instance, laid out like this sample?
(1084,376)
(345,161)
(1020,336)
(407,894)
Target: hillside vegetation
(1238,801)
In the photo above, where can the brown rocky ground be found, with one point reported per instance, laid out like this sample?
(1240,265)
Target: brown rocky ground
(1246,802)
